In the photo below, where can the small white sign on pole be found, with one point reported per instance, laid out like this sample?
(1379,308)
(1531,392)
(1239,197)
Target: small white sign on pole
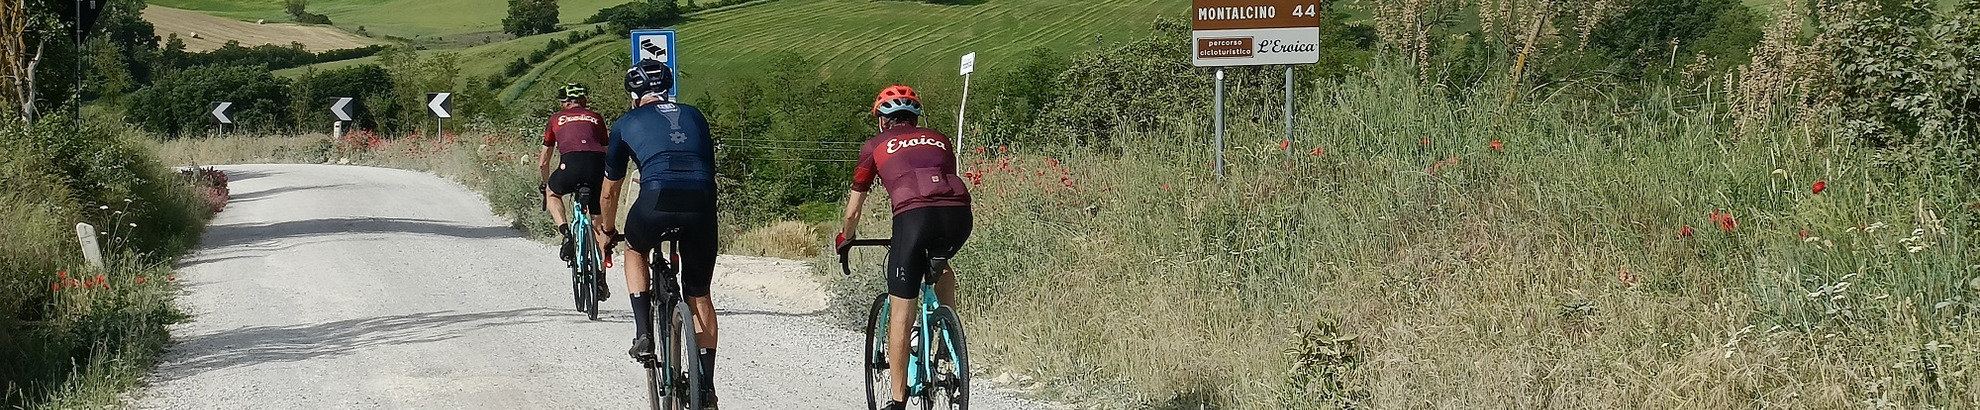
(968,66)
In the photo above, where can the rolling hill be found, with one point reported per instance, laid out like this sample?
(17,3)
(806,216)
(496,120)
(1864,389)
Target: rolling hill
(215,31)
(400,18)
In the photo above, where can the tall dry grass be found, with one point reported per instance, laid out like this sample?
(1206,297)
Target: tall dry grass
(1431,252)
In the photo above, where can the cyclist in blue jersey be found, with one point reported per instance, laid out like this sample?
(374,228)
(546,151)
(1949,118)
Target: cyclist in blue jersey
(676,159)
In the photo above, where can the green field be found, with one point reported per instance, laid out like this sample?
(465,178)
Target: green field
(897,41)
(402,18)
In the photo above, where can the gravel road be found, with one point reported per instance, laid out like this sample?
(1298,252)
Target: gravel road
(356,288)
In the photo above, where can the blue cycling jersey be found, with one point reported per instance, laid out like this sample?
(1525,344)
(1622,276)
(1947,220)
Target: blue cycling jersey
(672,144)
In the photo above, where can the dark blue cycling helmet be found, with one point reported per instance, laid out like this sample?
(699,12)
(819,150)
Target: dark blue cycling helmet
(649,77)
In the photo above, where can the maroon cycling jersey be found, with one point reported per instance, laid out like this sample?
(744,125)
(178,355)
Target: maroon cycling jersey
(575,130)
(917,165)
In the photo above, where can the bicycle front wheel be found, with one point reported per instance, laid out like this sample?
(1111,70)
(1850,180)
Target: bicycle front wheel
(950,380)
(879,383)
(592,279)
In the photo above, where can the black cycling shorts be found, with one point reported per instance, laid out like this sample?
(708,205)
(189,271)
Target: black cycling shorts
(581,168)
(647,227)
(919,234)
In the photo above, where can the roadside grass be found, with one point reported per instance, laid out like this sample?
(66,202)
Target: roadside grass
(1403,262)
(73,336)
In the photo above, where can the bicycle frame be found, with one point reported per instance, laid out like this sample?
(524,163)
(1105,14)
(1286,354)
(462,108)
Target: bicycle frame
(921,364)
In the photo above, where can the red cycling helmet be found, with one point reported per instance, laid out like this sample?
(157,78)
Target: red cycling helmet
(895,99)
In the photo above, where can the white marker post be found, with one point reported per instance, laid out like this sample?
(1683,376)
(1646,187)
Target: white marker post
(968,66)
(92,252)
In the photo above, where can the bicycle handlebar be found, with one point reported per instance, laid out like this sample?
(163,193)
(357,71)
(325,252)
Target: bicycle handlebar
(845,264)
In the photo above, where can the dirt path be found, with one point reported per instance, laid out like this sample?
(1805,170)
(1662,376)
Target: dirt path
(353,287)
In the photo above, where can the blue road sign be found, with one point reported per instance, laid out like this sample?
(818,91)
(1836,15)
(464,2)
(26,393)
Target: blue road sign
(657,45)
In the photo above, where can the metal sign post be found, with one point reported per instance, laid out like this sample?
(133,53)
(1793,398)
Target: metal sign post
(968,66)
(1289,112)
(1219,161)
(657,45)
(1230,33)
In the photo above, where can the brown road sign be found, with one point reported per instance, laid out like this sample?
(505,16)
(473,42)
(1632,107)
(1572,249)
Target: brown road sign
(1256,32)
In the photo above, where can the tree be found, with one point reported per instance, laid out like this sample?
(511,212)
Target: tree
(530,17)
(299,10)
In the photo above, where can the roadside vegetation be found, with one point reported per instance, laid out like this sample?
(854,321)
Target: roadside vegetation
(71,335)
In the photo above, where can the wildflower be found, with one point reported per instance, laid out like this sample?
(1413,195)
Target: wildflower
(1498,146)
(1819,187)
(1424,142)
(100,280)
(1165,186)
(1067,181)
(1627,279)
(1284,144)
(1726,221)
(1051,162)
(140,280)
(1686,232)
(979,150)
(105,207)
(1317,151)
(1003,149)
(171,278)
(62,274)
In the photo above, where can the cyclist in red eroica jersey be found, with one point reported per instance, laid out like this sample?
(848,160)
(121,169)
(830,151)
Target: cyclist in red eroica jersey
(579,138)
(931,213)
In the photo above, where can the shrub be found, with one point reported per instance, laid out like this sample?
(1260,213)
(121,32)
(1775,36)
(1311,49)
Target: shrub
(177,104)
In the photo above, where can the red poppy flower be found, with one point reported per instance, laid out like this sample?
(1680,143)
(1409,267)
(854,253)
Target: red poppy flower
(140,280)
(170,278)
(1284,144)
(1003,149)
(62,274)
(1686,232)
(1317,151)
(1803,234)
(1051,162)
(1165,186)
(979,150)
(1426,141)
(1819,187)
(1727,222)
(55,287)
(1627,279)
(1498,146)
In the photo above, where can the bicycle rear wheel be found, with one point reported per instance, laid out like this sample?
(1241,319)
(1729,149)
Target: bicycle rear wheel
(683,360)
(950,389)
(879,383)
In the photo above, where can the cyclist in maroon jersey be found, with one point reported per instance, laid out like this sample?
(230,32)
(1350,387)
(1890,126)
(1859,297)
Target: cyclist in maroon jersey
(577,135)
(931,213)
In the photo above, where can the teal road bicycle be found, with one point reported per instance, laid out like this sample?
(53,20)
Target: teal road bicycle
(673,376)
(938,358)
(588,266)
